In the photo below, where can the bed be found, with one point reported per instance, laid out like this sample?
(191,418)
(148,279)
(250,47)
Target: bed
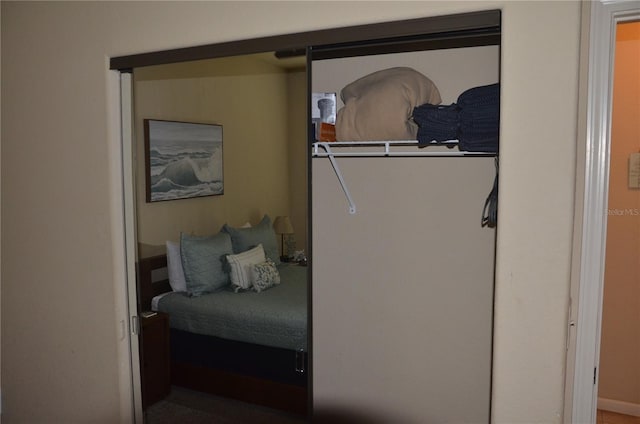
(240,343)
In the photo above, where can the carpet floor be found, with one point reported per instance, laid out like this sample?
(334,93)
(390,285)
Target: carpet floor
(191,407)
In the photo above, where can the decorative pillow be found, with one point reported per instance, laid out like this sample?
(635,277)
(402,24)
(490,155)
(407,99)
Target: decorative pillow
(203,261)
(265,275)
(241,264)
(379,106)
(174,267)
(244,239)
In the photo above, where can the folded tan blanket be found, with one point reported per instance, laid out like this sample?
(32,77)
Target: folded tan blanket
(379,106)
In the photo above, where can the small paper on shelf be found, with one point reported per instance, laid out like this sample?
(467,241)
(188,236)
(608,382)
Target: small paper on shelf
(323,115)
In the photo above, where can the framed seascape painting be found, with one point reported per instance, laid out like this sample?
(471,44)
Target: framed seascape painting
(183,160)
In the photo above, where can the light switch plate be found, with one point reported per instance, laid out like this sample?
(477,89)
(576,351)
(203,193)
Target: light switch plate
(634,170)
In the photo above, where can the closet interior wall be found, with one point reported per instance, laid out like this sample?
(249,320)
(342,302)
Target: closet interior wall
(403,289)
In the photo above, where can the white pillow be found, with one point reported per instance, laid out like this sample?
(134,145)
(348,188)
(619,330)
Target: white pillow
(241,265)
(174,267)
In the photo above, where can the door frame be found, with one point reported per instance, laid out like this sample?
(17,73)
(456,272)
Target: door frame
(605,15)
(459,30)
(121,87)
(129,206)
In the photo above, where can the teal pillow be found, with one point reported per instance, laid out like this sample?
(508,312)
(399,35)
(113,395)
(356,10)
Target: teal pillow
(244,239)
(204,262)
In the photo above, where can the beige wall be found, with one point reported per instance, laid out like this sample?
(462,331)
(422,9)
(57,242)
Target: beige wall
(250,98)
(448,69)
(298,185)
(620,345)
(59,229)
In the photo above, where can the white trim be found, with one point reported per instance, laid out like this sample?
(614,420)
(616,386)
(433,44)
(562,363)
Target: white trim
(619,406)
(120,290)
(128,196)
(594,222)
(604,16)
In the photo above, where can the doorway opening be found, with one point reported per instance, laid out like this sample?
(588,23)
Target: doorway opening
(619,375)
(588,287)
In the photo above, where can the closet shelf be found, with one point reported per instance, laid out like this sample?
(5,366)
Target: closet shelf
(384,149)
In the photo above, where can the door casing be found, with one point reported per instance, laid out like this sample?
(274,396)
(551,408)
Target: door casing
(588,279)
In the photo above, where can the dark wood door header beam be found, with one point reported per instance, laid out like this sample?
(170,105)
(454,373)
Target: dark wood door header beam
(466,29)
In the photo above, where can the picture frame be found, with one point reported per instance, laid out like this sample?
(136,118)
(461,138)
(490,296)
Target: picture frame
(183,160)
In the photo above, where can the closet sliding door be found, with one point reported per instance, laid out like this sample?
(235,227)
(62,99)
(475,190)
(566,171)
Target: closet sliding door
(403,288)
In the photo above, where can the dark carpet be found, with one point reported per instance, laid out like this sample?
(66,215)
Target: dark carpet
(190,407)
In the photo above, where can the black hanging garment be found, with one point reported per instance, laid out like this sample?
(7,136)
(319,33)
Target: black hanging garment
(490,211)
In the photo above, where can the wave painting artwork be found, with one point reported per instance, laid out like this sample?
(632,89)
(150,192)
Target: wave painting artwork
(184,160)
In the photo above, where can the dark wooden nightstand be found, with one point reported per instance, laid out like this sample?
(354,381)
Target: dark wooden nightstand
(154,358)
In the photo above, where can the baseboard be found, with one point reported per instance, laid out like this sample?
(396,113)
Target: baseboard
(619,406)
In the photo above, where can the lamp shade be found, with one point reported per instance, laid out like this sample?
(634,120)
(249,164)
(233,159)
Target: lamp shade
(282,225)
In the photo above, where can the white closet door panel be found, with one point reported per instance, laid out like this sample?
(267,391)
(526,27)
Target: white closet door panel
(403,289)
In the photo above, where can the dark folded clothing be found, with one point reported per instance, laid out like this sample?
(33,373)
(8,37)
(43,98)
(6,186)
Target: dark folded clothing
(479,118)
(436,122)
(483,96)
(429,135)
(487,145)
(436,113)
(474,120)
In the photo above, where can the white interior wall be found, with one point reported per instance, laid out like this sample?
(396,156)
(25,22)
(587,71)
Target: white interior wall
(408,279)
(403,290)
(448,69)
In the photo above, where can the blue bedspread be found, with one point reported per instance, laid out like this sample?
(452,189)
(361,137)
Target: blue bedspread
(275,317)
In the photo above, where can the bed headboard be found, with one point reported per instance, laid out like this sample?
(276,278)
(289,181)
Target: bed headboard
(147,288)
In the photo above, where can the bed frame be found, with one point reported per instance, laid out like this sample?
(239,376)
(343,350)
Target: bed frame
(263,375)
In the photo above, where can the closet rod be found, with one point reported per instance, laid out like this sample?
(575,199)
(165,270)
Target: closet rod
(331,154)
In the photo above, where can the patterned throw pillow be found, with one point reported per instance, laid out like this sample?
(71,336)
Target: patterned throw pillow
(265,275)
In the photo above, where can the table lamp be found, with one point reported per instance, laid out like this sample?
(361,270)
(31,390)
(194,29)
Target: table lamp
(282,225)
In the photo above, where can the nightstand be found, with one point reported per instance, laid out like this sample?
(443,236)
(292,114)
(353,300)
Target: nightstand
(154,358)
